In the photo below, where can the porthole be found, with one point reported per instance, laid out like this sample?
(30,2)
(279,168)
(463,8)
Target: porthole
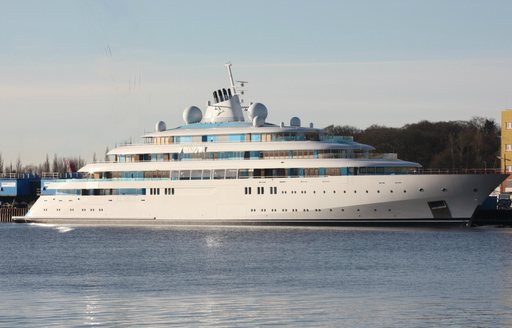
(391,191)
(355,191)
(444,190)
(422,190)
(358,210)
(366,191)
(375,210)
(475,190)
(405,191)
(344,191)
(378,191)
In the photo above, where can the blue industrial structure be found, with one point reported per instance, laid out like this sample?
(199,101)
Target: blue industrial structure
(18,187)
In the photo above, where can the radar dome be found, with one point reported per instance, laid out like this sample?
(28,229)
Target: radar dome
(258,121)
(160,126)
(192,114)
(295,121)
(257,109)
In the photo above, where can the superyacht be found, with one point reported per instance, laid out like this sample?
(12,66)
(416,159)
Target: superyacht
(228,165)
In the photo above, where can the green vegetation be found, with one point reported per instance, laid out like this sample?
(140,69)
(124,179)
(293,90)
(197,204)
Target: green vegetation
(453,144)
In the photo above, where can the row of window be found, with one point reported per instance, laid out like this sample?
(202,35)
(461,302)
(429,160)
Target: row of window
(72,210)
(239,155)
(115,192)
(216,174)
(307,210)
(261,190)
(243,137)
(166,191)
(252,210)
(170,191)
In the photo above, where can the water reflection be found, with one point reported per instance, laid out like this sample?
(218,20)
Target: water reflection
(91,310)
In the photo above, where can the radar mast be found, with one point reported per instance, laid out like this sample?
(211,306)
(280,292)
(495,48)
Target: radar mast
(231,81)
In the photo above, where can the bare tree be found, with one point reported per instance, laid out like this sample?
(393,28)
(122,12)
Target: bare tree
(55,164)
(1,164)
(19,166)
(81,162)
(46,164)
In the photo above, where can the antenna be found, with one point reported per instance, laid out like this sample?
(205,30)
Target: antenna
(242,90)
(228,66)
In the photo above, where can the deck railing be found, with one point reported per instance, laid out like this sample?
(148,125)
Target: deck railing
(459,171)
(418,171)
(58,175)
(15,176)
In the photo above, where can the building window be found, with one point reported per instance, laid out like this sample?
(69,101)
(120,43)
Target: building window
(508,125)
(509,168)
(508,147)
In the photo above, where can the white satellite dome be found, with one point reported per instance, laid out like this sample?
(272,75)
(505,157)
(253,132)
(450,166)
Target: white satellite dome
(295,121)
(192,114)
(257,109)
(160,126)
(258,121)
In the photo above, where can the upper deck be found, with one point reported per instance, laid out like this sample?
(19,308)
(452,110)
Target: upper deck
(229,131)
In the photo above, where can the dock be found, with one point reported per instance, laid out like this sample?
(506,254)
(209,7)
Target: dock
(6,214)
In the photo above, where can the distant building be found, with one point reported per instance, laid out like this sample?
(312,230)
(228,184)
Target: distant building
(506,148)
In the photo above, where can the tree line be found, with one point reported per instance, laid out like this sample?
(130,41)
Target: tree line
(56,165)
(453,144)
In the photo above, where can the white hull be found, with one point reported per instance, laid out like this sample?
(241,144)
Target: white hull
(336,199)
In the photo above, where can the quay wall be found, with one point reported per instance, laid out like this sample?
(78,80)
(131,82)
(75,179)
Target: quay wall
(6,214)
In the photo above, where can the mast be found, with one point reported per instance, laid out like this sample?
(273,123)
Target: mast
(228,66)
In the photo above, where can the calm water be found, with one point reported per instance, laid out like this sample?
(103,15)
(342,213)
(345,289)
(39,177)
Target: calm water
(234,276)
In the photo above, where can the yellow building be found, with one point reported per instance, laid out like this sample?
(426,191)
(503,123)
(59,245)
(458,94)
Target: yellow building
(506,147)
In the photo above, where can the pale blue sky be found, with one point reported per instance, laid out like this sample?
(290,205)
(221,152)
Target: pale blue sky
(77,76)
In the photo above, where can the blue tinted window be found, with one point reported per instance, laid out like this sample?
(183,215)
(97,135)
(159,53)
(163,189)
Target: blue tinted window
(236,138)
(255,137)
